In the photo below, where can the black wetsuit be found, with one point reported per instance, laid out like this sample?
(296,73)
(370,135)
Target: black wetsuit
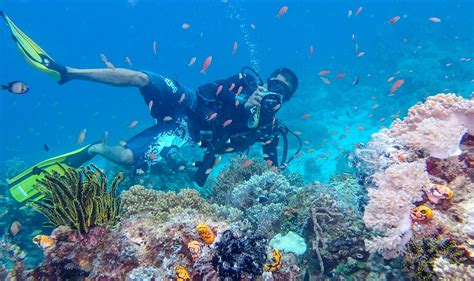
(221,118)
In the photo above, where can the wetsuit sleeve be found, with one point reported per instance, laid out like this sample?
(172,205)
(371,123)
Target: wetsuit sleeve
(270,151)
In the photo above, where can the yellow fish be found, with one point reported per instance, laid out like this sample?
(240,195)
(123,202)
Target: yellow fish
(276,262)
(181,273)
(206,233)
(44,241)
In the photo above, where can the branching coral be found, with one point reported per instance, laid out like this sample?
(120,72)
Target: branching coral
(388,211)
(78,198)
(337,233)
(141,201)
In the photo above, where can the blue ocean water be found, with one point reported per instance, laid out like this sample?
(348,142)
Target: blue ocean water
(75,33)
(426,55)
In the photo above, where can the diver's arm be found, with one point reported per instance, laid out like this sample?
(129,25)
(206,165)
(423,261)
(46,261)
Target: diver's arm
(120,77)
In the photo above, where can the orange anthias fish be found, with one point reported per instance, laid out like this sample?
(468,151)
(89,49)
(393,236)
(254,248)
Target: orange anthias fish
(128,60)
(305,116)
(226,123)
(150,105)
(206,233)
(133,124)
(234,49)
(185,25)
(181,273)
(181,99)
(435,20)
(232,86)
(396,85)
(239,90)
(154,48)
(103,58)
(219,90)
(206,64)
(325,80)
(282,11)
(340,75)
(360,54)
(394,20)
(358,11)
(44,241)
(192,61)
(324,72)
(247,164)
(82,136)
(212,116)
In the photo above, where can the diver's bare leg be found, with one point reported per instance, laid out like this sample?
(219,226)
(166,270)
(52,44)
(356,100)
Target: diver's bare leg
(120,77)
(117,154)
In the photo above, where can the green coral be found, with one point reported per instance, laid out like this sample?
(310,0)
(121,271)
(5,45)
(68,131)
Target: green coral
(78,198)
(161,205)
(421,253)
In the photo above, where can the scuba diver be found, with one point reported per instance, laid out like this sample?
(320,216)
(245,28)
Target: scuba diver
(224,116)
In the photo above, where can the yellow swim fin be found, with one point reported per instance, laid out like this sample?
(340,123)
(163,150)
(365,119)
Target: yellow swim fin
(33,53)
(22,187)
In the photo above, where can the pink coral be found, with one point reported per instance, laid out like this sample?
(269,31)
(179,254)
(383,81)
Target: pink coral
(398,187)
(437,125)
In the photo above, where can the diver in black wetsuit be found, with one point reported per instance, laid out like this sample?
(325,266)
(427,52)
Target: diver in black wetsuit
(224,116)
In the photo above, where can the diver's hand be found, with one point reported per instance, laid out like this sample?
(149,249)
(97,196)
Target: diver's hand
(255,99)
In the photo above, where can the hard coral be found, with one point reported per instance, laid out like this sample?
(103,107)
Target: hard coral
(100,253)
(233,175)
(78,198)
(422,252)
(141,201)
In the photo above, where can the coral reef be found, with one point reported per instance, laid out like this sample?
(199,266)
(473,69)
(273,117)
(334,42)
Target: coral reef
(239,256)
(139,200)
(231,176)
(12,265)
(426,165)
(100,253)
(390,203)
(422,252)
(449,271)
(78,198)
